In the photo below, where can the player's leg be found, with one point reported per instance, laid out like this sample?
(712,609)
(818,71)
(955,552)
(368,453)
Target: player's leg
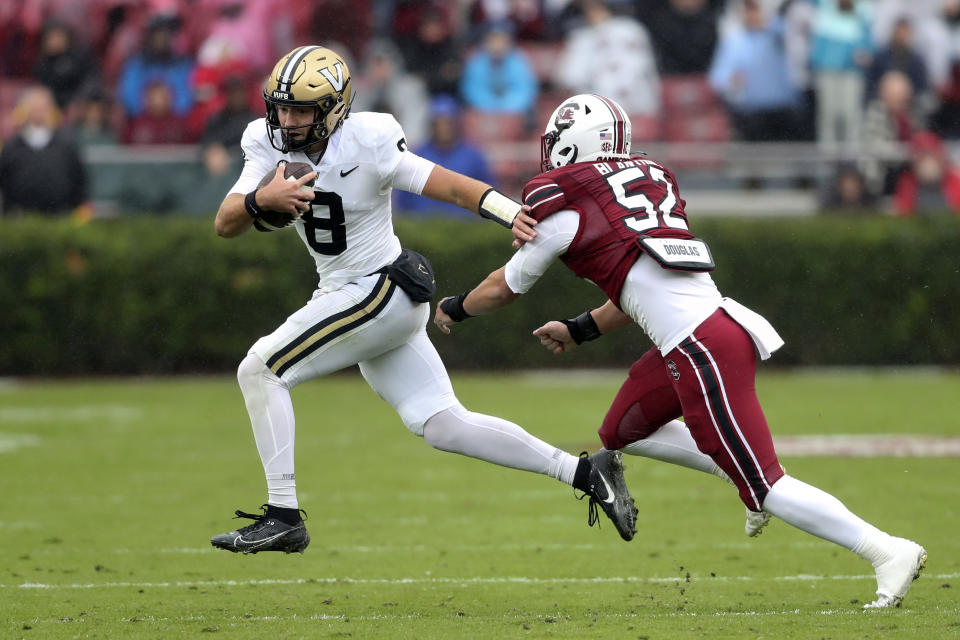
(413,379)
(332,331)
(897,562)
(721,406)
(715,384)
(642,421)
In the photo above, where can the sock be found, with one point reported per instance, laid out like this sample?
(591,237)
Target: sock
(271,415)
(498,441)
(283,514)
(875,547)
(819,513)
(673,443)
(581,479)
(282,489)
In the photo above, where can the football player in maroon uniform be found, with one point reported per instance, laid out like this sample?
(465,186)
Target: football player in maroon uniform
(618,221)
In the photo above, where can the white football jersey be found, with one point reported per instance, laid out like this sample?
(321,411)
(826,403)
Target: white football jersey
(349,229)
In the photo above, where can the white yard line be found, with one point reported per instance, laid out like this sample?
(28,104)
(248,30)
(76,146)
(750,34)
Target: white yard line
(11,442)
(87,413)
(869,446)
(18,524)
(56,550)
(454,581)
(232,621)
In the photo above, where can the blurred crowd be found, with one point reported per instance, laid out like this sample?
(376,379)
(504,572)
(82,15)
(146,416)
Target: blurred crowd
(875,83)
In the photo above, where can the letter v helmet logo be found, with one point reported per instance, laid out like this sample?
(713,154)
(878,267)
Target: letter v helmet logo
(335,81)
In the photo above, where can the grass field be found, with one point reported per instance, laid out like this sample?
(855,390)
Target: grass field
(111,490)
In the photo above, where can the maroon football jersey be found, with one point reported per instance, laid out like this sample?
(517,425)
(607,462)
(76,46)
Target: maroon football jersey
(618,201)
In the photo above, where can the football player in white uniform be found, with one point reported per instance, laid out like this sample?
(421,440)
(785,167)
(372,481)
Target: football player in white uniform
(365,310)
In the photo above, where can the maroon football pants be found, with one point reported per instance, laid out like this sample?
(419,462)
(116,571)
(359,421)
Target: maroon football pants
(709,380)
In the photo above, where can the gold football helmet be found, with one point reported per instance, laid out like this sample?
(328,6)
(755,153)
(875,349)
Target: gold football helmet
(309,76)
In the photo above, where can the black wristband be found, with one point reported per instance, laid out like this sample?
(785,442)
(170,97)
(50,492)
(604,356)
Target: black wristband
(250,204)
(453,307)
(583,328)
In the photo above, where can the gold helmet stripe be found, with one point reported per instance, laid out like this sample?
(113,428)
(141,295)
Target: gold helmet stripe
(286,76)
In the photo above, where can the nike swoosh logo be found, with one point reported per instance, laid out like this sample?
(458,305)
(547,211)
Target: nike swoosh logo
(606,484)
(344,174)
(258,543)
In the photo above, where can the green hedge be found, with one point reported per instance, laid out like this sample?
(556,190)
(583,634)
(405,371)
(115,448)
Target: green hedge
(152,295)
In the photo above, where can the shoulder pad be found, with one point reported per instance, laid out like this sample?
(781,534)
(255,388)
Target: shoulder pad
(255,133)
(544,196)
(256,148)
(370,128)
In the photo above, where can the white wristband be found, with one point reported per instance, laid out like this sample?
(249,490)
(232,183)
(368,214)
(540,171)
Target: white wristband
(499,208)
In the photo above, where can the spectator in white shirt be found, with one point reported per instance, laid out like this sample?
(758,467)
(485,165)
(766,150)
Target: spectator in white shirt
(612,56)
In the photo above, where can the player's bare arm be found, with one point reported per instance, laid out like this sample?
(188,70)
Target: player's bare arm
(234,216)
(561,336)
(471,194)
(488,296)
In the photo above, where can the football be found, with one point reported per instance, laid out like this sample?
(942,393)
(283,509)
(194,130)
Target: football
(275,220)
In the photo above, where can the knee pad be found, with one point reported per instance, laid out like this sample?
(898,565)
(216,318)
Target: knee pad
(441,429)
(252,371)
(621,427)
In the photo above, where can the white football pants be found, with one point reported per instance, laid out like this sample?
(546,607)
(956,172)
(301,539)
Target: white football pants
(374,324)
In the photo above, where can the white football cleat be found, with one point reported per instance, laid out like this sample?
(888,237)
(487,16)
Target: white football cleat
(897,573)
(756,521)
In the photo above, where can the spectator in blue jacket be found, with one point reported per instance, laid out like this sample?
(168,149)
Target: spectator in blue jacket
(751,72)
(158,64)
(498,77)
(449,149)
(840,53)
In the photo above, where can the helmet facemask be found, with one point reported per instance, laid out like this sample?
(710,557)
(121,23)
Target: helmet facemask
(549,140)
(317,131)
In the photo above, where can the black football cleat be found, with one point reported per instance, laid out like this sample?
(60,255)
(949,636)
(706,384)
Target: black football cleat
(265,534)
(609,490)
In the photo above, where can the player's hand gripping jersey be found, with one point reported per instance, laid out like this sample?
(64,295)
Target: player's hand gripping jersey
(349,228)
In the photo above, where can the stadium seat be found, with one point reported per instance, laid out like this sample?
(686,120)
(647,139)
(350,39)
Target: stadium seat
(692,112)
(646,128)
(508,145)
(711,126)
(543,58)
(489,128)
(687,94)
